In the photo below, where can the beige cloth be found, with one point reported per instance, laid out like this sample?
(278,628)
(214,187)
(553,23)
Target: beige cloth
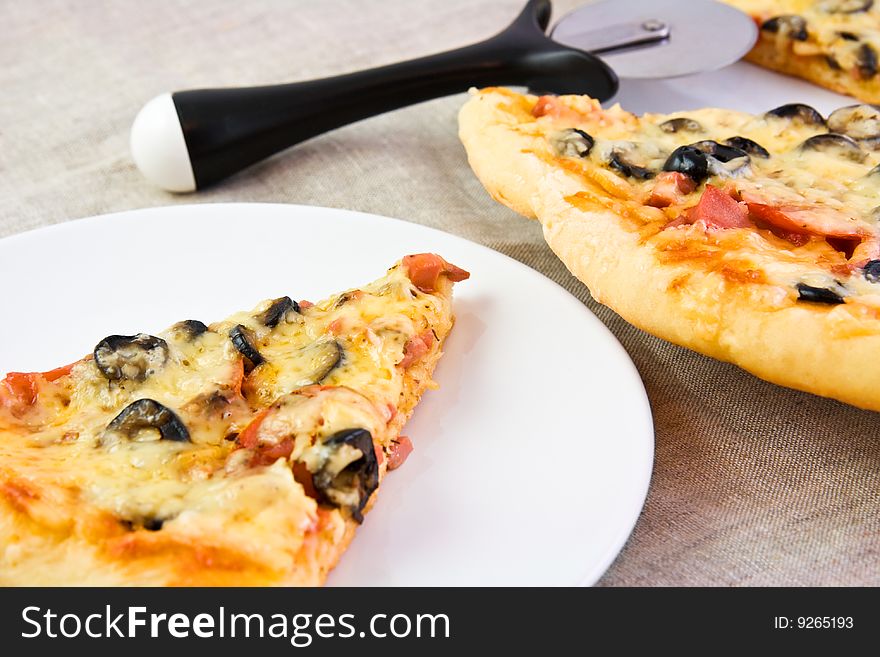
(753,484)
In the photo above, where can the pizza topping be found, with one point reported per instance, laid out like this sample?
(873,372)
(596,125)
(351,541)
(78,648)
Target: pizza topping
(191,328)
(860,122)
(130,357)
(794,27)
(553,107)
(671,188)
(716,209)
(143,420)
(690,161)
(704,158)
(638,160)
(844,6)
(425,269)
(345,470)
(799,113)
(680,124)
(572,143)
(817,294)
(723,160)
(416,348)
(871,271)
(278,310)
(242,340)
(836,145)
(749,146)
(618,161)
(398,452)
(806,219)
(313,363)
(866,61)
(19,390)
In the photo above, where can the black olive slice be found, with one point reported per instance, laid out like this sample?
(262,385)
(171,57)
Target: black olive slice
(817,294)
(848,36)
(871,271)
(277,311)
(318,360)
(798,112)
(746,145)
(148,414)
(242,340)
(572,143)
(844,6)
(866,61)
(350,472)
(130,357)
(795,27)
(680,124)
(191,328)
(857,121)
(690,161)
(723,160)
(837,145)
(721,152)
(617,160)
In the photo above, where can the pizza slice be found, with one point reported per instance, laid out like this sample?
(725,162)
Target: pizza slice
(750,238)
(243,452)
(833,43)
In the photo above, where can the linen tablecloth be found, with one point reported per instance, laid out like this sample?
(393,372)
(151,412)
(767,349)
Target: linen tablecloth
(753,484)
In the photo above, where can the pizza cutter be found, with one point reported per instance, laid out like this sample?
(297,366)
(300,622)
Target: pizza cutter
(187,140)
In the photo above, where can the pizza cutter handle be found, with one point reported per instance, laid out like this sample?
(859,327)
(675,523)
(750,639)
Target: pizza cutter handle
(188,140)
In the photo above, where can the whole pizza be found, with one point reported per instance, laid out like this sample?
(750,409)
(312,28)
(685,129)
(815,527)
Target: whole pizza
(750,238)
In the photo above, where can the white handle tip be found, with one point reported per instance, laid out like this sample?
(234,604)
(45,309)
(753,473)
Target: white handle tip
(158,146)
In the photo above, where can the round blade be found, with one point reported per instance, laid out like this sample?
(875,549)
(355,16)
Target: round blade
(704,35)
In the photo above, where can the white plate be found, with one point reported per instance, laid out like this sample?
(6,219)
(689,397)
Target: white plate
(532,460)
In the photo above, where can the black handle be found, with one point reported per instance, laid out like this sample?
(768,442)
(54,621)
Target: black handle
(227,130)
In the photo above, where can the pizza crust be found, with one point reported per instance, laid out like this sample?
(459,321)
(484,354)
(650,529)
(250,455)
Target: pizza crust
(815,69)
(809,347)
